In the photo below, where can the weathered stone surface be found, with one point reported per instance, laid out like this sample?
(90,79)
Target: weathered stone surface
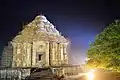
(14,74)
(39,44)
(7,56)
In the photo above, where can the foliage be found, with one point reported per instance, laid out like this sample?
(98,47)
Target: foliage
(104,52)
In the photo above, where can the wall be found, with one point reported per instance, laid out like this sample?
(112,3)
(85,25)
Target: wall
(21,54)
(11,74)
(40,47)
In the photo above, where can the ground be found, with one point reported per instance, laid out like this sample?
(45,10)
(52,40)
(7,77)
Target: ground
(99,76)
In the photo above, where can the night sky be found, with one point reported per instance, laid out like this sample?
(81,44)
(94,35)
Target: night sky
(78,20)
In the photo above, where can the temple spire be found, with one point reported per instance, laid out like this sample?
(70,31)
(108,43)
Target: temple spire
(41,18)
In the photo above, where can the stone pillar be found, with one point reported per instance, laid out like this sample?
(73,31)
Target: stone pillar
(14,54)
(47,54)
(61,52)
(51,53)
(54,53)
(33,54)
(28,52)
(18,55)
(65,52)
(24,54)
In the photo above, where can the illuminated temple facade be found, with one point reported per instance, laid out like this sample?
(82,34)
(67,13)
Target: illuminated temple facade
(39,44)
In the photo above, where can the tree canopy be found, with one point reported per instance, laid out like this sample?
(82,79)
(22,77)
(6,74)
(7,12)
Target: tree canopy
(104,51)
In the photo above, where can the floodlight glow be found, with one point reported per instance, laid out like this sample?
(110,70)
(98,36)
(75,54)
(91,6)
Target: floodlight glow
(90,75)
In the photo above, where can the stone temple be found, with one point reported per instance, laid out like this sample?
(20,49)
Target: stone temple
(39,44)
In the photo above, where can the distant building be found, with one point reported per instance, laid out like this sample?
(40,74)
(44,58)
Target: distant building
(7,56)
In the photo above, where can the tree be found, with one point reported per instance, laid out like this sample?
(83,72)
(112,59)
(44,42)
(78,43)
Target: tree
(104,51)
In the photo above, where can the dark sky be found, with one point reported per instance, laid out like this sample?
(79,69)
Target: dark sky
(79,20)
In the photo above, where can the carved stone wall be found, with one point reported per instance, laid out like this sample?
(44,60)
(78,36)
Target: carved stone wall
(21,54)
(54,53)
(14,74)
(58,54)
(40,48)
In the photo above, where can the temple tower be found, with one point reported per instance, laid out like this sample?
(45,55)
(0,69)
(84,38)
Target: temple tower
(39,44)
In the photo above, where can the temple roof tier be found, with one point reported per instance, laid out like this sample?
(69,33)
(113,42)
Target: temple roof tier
(40,29)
